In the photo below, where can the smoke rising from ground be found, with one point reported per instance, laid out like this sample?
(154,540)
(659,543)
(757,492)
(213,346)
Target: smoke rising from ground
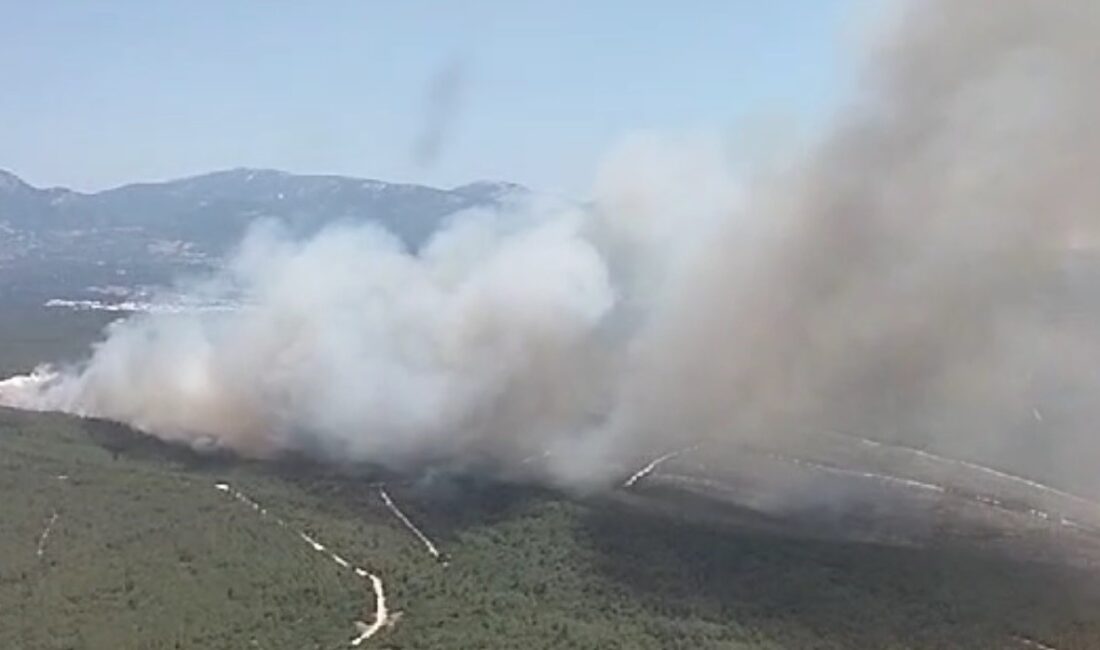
(884,284)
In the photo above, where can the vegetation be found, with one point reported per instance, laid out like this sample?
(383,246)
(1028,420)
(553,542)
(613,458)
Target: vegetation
(145,553)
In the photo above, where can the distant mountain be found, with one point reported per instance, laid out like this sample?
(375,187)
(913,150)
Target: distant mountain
(158,227)
(213,209)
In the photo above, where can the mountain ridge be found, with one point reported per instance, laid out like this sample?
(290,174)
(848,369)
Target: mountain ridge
(9,179)
(156,229)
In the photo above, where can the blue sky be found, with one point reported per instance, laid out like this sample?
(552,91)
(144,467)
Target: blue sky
(95,94)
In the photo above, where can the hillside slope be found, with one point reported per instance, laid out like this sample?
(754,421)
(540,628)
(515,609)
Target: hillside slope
(142,551)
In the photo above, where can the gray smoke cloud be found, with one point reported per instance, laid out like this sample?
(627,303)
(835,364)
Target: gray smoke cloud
(443,102)
(887,283)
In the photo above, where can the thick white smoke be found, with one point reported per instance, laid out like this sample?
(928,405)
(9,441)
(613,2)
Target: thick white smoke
(884,283)
(350,346)
(501,339)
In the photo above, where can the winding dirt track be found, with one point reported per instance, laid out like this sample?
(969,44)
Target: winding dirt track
(648,469)
(382,616)
(46,534)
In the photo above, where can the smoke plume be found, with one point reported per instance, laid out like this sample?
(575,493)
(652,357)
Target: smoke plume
(886,283)
(443,102)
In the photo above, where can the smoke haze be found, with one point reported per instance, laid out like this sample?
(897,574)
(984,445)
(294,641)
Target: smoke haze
(885,284)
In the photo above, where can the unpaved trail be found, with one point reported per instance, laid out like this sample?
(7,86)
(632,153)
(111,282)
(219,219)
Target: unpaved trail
(1032,643)
(989,502)
(48,528)
(46,534)
(983,469)
(381,614)
(432,550)
(874,476)
(910,483)
(900,482)
(648,469)
(382,617)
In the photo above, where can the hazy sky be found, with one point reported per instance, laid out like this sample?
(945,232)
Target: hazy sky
(95,94)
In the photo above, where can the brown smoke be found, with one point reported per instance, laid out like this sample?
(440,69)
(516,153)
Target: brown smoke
(891,279)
